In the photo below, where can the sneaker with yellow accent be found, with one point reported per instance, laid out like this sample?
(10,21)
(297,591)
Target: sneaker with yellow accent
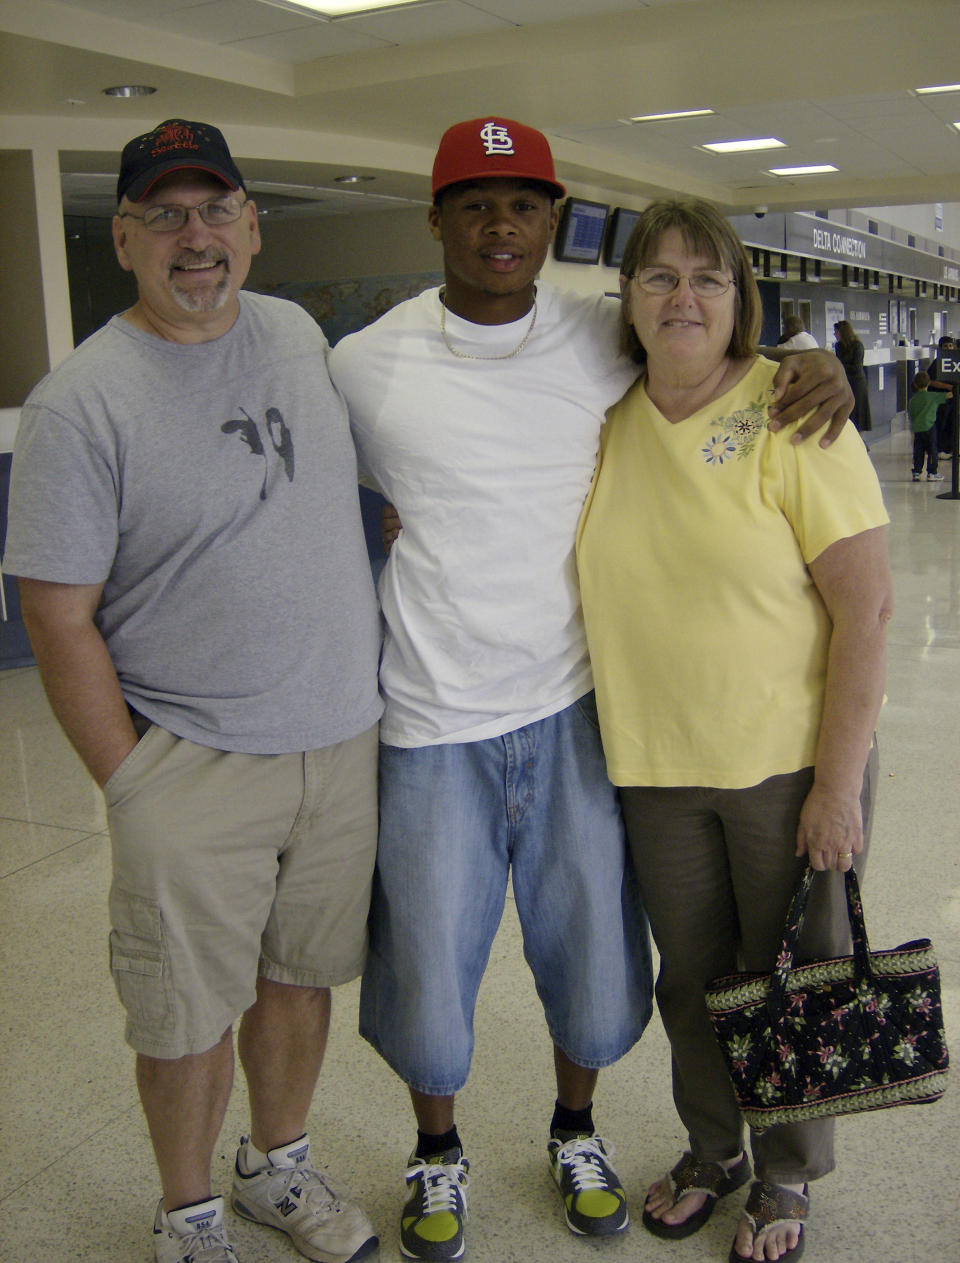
(431,1226)
(593,1200)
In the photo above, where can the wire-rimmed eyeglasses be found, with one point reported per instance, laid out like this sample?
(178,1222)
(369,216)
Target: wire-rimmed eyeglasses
(214,212)
(659,280)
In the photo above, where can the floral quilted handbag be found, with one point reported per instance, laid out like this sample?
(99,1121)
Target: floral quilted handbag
(861,1032)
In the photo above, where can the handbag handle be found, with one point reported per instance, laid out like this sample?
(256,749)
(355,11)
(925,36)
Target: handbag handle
(777,991)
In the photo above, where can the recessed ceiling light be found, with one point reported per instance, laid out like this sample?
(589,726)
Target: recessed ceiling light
(353,179)
(330,9)
(129,89)
(656,118)
(938,87)
(811,170)
(744,146)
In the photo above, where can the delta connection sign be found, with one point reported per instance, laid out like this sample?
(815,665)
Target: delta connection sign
(840,244)
(818,238)
(810,236)
(823,240)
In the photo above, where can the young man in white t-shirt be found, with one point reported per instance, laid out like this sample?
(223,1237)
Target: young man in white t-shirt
(476,410)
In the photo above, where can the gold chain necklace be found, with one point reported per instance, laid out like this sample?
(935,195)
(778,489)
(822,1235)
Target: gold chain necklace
(462,355)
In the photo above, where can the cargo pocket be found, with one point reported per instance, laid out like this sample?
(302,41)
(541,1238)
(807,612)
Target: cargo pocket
(139,962)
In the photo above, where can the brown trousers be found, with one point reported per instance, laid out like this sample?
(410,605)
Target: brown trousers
(717,869)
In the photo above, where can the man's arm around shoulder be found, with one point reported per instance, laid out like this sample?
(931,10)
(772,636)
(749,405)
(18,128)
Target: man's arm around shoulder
(77,672)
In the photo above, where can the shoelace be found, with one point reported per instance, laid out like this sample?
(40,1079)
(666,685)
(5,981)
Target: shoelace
(206,1241)
(282,1183)
(584,1158)
(441,1186)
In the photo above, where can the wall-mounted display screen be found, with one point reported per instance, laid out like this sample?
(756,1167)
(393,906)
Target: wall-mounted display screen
(618,233)
(579,236)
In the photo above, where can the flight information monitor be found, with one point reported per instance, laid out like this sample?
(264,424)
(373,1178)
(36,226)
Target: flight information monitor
(580,232)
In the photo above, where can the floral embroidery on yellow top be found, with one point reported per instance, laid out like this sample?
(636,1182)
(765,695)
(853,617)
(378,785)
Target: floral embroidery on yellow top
(736,435)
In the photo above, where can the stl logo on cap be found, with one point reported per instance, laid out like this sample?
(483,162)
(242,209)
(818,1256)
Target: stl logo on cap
(496,139)
(488,148)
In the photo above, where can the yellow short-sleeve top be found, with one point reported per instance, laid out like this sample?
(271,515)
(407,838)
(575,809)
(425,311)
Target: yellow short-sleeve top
(707,635)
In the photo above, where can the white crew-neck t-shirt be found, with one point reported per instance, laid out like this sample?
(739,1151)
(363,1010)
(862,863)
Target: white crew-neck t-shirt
(488,462)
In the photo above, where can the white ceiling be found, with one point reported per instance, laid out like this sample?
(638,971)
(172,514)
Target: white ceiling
(834,81)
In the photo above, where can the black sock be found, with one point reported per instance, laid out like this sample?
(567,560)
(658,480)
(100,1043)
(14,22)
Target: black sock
(572,1120)
(429,1145)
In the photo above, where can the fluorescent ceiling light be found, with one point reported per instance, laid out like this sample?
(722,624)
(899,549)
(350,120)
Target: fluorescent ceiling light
(938,87)
(656,118)
(744,146)
(812,170)
(330,9)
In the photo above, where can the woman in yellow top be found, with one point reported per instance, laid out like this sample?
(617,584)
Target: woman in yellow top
(736,592)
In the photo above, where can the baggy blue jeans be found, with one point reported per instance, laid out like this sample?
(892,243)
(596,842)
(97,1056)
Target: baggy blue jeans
(454,820)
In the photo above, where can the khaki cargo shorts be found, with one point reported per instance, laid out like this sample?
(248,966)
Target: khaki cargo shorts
(228,866)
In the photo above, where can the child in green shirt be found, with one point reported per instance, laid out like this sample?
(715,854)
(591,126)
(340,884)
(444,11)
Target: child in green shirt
(922,408)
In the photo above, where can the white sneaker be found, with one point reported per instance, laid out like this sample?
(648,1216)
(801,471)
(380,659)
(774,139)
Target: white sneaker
(195,1234)
(290,1195)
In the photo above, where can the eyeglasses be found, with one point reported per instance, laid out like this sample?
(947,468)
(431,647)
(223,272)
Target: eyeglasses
(665,281)
(214,212)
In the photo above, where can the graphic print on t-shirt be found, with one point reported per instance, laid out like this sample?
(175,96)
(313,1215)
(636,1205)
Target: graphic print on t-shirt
(278,432)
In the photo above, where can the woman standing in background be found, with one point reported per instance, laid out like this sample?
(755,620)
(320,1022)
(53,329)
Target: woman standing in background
(849,351)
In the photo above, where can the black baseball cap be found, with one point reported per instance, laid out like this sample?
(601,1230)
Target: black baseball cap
(175,145)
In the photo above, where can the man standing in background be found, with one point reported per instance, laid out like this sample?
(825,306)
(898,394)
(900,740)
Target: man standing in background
(795,336)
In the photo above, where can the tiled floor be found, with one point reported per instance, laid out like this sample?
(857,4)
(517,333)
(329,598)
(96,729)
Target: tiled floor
(77,1179)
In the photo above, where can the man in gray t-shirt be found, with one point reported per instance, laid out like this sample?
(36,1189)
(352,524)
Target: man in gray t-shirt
(185,526)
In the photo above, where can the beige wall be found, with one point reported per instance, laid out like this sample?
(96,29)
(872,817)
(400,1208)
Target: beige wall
(381,243)
(343,247)
(23,337)
(332,248)
(319,250)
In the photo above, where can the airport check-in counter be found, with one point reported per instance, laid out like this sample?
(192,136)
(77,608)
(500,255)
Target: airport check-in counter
(906,362)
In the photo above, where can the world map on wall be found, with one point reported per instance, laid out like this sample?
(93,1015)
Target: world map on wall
(342,307)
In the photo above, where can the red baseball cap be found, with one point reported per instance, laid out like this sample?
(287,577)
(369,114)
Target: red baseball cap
(494,148)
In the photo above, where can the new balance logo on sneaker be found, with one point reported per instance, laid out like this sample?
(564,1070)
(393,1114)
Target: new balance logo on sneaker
(201,1222)
(195,1234)
(302,1202)
(593,1200)
(431,1225)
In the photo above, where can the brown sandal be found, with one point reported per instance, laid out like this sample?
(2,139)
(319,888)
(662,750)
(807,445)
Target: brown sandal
(691,1176)
(768,1206)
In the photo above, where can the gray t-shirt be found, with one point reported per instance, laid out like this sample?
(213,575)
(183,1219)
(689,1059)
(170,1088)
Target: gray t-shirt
(212,489)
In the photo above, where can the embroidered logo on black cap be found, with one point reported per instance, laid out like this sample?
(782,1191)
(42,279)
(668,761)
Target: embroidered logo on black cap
(172,136)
